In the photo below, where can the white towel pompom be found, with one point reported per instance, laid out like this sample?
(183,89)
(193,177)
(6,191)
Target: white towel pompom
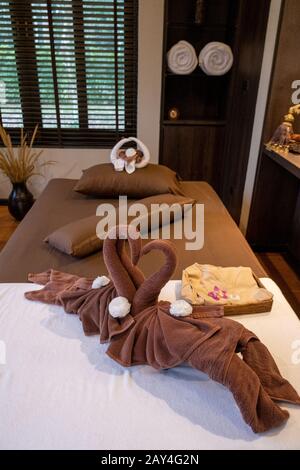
(100,281)
(180,308)
(119,307)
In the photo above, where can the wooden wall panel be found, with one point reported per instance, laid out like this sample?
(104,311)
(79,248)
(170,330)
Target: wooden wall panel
(211,140)
(254,18)
(194,152)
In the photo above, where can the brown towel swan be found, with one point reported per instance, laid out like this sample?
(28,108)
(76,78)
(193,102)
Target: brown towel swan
(208,342)
(205,340)
(76,295)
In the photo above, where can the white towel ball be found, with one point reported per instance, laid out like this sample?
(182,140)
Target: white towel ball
(119,164)
(180,308)
(100,281)
(119,307)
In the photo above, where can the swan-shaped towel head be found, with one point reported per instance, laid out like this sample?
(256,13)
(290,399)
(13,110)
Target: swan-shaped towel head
(148,292)
(130,162)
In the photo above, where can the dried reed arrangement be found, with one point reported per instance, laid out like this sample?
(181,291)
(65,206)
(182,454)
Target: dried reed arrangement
(19,166)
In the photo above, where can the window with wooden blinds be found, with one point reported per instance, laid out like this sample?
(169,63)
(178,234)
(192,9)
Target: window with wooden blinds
(71,67)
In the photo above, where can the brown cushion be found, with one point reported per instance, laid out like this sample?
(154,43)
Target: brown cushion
(104,181)
(79,238)
(169,200)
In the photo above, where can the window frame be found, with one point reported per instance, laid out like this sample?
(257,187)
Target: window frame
(83,136)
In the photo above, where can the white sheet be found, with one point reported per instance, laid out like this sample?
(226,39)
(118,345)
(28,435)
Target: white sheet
(58,390)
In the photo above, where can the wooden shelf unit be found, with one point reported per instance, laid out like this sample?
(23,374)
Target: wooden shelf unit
(213,132)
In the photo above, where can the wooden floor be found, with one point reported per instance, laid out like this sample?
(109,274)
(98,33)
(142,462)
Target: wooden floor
(286,273)
(7,226)
(279,266)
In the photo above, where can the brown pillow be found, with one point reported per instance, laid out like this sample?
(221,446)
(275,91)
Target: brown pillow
(104,181)
(168,199)
(79,238)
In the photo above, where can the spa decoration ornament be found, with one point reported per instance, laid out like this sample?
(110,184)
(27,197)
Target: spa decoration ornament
(216,58)
(174,114)
(131,158)
(284,134)
(182,58)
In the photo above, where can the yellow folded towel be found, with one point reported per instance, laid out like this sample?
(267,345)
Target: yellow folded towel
(205,283)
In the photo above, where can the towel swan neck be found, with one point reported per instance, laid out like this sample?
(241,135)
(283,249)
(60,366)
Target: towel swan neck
(125,276)
(148,292)
(129,263)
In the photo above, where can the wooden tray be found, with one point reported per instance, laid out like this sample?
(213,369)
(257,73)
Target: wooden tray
(261,307)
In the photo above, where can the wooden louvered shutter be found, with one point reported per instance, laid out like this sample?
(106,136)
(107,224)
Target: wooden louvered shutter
(71,67)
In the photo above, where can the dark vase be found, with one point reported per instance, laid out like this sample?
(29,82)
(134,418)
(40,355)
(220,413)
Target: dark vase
(20,201)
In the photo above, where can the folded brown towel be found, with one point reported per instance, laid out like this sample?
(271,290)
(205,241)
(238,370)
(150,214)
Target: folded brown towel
(150,335)
(76,296)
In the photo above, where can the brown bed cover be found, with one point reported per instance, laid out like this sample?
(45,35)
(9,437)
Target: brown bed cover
(224,244)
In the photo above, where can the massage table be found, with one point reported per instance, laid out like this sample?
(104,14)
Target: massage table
(224,244)
(58,389)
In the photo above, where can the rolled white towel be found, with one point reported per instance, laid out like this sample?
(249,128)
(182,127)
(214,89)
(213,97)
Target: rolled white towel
(182,58)
(216,58)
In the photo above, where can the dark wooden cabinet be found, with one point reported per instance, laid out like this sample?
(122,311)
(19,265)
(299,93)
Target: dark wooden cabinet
(211,139)
(274,219)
